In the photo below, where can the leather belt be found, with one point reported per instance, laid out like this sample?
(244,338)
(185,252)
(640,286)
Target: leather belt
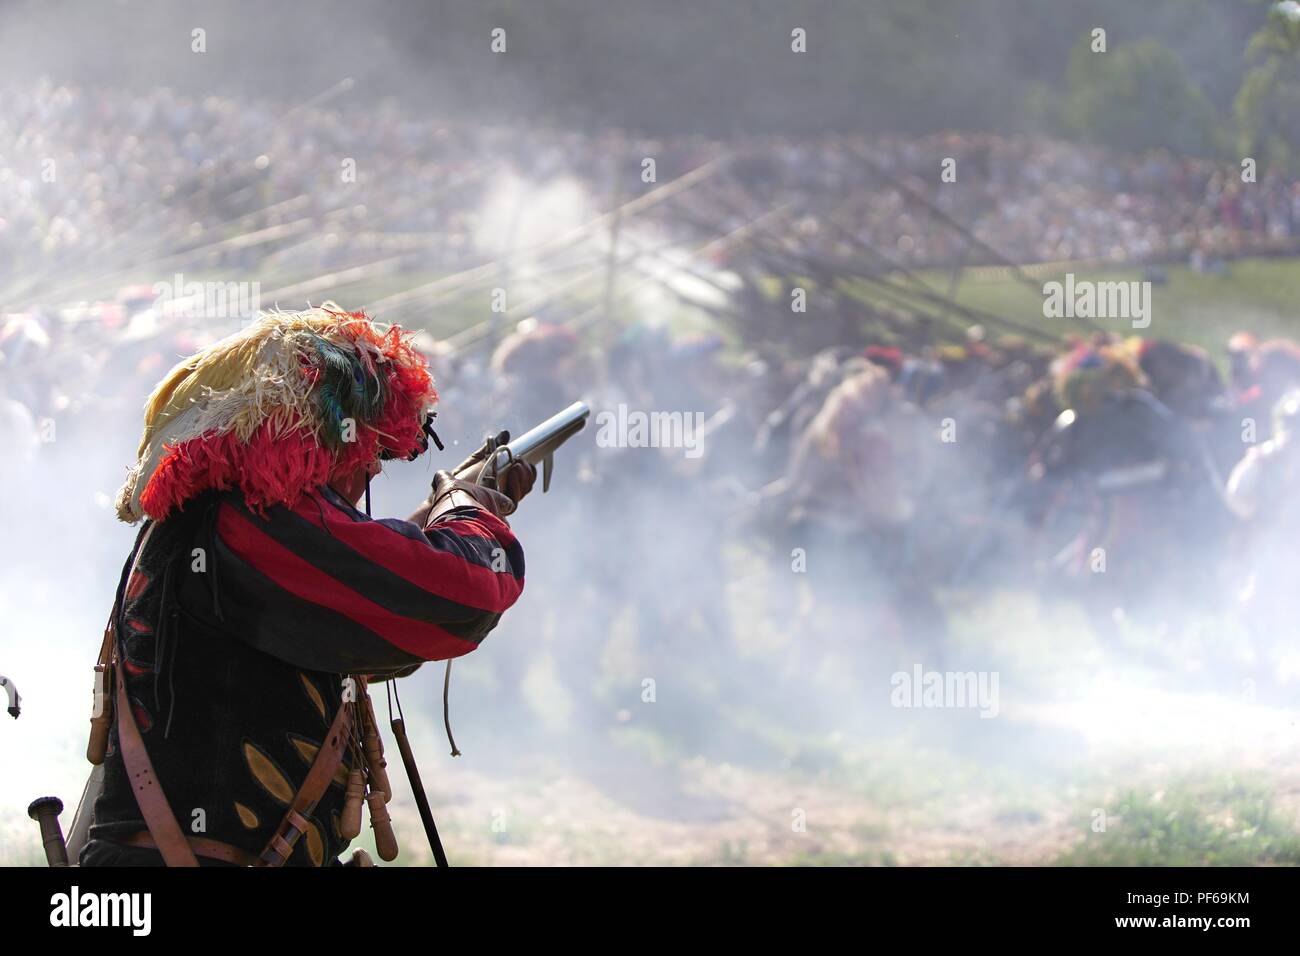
(280,847)
(202,846)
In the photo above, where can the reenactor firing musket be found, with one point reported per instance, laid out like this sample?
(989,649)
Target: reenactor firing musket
(317,601)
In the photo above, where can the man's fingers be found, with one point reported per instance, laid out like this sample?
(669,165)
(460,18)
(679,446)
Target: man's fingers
(519,479)
(515,482)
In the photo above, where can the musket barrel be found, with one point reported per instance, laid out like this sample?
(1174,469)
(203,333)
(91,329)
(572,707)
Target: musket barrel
(538,443)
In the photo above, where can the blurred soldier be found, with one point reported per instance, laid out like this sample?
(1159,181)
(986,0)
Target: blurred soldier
(1261,492)
(1262,373)
(538,366)
(1121,475)
(1265,478)
(846,454)
(786,422)
(1182,376)
(849,504)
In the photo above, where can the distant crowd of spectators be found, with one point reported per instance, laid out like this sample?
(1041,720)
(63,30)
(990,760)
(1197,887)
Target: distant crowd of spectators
(89,174)
(1025,199)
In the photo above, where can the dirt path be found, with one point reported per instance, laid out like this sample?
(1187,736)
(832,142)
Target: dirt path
(1023,794)
(721,815)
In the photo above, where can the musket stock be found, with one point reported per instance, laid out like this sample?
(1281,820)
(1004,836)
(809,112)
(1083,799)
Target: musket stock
(45,811)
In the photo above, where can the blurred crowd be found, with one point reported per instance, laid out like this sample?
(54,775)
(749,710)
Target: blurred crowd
(1027,199)
(82,168)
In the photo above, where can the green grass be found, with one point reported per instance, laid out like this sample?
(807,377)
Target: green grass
(1193,823)
(1260,295)
(838,858)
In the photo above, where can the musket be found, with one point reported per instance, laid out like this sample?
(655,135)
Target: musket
(45,811)
(83,818)
(535,446)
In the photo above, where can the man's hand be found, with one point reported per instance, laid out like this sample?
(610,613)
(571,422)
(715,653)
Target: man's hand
(515,482)
(451,492)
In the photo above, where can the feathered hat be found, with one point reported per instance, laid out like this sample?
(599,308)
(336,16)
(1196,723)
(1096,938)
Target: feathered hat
(287,404)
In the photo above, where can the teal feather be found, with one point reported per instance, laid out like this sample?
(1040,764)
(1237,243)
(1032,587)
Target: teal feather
(344,391)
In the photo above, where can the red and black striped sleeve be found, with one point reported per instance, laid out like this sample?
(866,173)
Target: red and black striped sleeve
(325,587)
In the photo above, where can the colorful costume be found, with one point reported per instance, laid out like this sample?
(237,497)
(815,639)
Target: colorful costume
(259,591)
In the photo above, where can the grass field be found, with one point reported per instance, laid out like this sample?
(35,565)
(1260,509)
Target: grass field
(1257,295)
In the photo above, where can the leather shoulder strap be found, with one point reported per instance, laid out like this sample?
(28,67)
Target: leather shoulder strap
(157,813)
(280,847)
